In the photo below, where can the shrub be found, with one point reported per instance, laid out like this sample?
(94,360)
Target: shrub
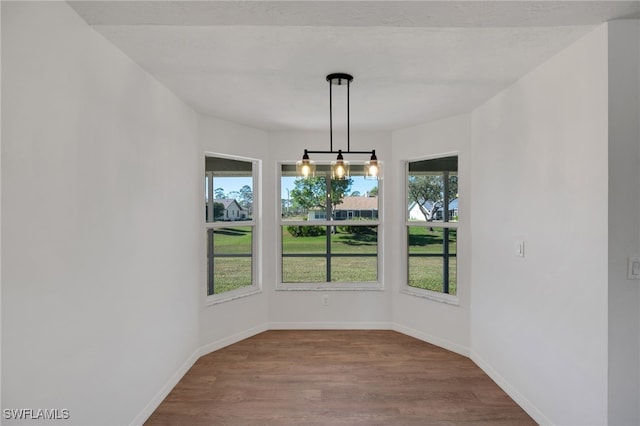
(306,231)
(358,230)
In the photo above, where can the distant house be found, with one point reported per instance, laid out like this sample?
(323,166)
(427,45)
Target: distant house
(232,210)
(416,214)
(349,208)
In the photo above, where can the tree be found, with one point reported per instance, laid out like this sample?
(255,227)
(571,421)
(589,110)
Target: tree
(427,191)
(245,197)
(218,210)
(219,193)
(355,194)
(373,192)
(312,192)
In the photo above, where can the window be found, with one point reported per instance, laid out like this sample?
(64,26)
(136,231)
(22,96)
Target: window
(432,222)
(329,231)
(230,225)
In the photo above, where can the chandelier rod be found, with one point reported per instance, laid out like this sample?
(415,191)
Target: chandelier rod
(330,117)
(348,119)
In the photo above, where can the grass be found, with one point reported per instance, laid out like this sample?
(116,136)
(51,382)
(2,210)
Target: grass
(361,266)
(428,272)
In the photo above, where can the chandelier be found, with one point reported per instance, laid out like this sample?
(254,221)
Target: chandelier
(340,168)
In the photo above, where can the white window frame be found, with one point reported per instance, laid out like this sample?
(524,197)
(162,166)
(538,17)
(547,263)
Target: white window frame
(405,288)
(331,286)
(256,236)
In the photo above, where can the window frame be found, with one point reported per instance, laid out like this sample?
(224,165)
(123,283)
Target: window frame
(333,285)
(256,231)
(405,288)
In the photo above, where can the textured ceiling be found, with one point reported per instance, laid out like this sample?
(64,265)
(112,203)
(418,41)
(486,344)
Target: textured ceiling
(263,63)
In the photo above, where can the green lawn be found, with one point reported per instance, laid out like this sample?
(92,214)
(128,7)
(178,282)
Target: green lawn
(428,272)
(231,273)
(424,272)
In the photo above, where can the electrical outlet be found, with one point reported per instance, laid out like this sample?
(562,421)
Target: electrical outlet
(519,248)
(325,300)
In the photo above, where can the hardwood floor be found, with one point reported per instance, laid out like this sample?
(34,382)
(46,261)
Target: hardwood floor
(345,377)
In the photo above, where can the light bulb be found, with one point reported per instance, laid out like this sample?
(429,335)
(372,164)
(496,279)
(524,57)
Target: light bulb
(372,167)
(305,168)
(339,168)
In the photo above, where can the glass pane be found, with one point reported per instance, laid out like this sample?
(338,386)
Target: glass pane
(453,275)
(232,240)
(354,269)
(427,254)
(304,269)
(423,239)
(229,189)
(426,273)
(306,199)
(229,252)
(231,273)
(354,239)
(304,239)
(432,189)
(453,202)
(453,241)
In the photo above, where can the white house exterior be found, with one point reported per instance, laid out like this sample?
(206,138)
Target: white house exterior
(416,214)
(232,210)
(349,208)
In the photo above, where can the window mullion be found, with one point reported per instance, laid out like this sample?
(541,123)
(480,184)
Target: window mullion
(210,262)
(210,199)
(445,233)
(445,260)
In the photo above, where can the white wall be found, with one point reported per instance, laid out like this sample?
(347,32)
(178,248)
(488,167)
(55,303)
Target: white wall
(0,212)
(99,223)
(230,321)
(539,323)
(303,309)
(436,322)
(624,220)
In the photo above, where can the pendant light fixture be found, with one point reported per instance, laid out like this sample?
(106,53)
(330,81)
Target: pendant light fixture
(340,168)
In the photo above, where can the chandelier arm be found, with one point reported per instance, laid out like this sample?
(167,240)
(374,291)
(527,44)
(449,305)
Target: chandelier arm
(309,151)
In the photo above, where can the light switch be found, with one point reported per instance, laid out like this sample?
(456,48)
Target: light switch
(519,248)
(633,273)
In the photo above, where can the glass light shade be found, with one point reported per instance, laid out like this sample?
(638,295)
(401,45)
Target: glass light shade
(372,169)
(305,168)
(339,169)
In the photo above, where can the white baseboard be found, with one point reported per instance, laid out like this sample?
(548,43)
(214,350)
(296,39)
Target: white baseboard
(523,402)
(434,340)
(164,391)
(329,325)
(230,340)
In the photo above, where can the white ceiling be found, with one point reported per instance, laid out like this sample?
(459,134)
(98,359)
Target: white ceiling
(263,63)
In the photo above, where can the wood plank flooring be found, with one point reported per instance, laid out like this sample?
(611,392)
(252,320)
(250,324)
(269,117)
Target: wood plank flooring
(341,377)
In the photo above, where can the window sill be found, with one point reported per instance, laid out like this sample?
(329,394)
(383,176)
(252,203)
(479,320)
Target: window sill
(232,295)
(368,286)
(432,295)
